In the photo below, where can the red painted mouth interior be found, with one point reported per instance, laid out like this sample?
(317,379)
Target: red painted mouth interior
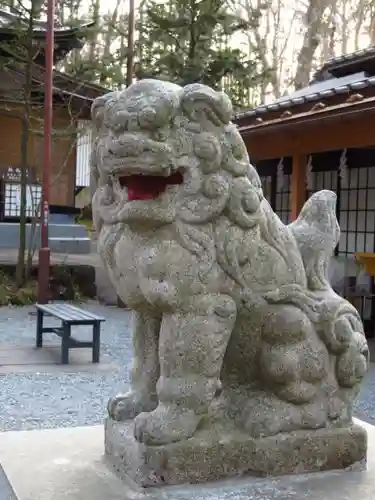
(148,187)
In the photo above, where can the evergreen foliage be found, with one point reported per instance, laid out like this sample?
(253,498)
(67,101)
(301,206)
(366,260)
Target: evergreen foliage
(189,41)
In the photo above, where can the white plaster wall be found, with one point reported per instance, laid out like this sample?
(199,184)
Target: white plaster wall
(83,155)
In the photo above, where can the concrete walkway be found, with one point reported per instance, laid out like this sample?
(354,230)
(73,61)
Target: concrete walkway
(62,464)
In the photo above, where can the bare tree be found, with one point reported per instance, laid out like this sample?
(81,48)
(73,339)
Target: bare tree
(273,39)
(313,22)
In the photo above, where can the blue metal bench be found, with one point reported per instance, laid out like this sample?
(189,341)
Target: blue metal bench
(69,316)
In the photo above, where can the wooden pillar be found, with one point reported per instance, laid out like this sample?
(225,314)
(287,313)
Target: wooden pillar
(298,185)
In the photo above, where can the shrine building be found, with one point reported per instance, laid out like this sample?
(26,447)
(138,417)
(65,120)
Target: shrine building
(322,137)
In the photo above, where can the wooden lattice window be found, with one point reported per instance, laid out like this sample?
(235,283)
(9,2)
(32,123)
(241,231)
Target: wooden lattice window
(11,196)
(282,198)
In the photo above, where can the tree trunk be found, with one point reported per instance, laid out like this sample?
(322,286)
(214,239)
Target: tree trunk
(313,23)
(359,16)
(94,36)
(108,40)
(20,269)
(372,26)
(344,29)
(130,55)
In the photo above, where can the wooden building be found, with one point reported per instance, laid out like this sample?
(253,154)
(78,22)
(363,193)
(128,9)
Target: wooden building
(323,137)
(72,101)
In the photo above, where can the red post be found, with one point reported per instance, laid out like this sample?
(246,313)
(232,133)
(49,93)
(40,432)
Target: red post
(44,252)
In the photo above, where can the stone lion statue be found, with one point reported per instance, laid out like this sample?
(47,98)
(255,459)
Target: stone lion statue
(235,321)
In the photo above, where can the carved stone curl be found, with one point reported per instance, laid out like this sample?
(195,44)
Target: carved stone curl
(240,344)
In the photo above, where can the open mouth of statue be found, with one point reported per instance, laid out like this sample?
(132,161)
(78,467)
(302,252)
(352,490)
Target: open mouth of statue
(148,187)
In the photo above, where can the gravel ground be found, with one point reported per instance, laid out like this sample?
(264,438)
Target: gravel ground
(45,400)
(42,400)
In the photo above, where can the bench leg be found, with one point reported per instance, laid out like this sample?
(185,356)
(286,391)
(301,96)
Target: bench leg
(39,328)
(65,343)
(96,343)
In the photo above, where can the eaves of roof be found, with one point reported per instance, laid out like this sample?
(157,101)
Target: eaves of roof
(92,90)
(347,109)
(59,34)
(15,21)
(63,84)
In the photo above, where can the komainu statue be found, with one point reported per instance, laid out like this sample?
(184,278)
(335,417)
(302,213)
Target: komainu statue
(245,359)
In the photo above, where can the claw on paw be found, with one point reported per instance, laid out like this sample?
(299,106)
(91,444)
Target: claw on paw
(166,424)
(128,406)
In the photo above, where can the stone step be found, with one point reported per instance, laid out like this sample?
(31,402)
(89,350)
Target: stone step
(67,230)
(63,238)
(10,233)
(68,245)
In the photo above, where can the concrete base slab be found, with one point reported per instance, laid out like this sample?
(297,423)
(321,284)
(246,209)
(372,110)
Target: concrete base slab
(68,463)
(6,492)
(48,359)
(59,464)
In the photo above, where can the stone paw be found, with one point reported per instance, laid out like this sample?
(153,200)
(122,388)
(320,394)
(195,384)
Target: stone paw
(128,406)
(166,424)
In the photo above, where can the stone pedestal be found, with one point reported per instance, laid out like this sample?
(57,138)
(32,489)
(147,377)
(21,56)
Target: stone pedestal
(213,454)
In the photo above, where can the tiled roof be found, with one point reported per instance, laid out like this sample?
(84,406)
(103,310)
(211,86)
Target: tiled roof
(12,19)
(65,84)
(313,93)
(349,107)
(345,58)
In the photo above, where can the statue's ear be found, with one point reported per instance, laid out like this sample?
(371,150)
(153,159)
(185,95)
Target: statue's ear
(200,102)
(97,108)
(97,117)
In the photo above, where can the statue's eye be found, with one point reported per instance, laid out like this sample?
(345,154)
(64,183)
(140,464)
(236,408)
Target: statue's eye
(147,118)
(206,146)
(160,135)
(120,121)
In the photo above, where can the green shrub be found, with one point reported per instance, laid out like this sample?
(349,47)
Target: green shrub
(11,295)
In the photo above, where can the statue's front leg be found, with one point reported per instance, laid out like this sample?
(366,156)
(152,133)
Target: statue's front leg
(192,347)
(145,371)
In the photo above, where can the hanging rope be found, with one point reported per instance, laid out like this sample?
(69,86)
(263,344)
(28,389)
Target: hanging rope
(343,168)
(309,175)
(280,173)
